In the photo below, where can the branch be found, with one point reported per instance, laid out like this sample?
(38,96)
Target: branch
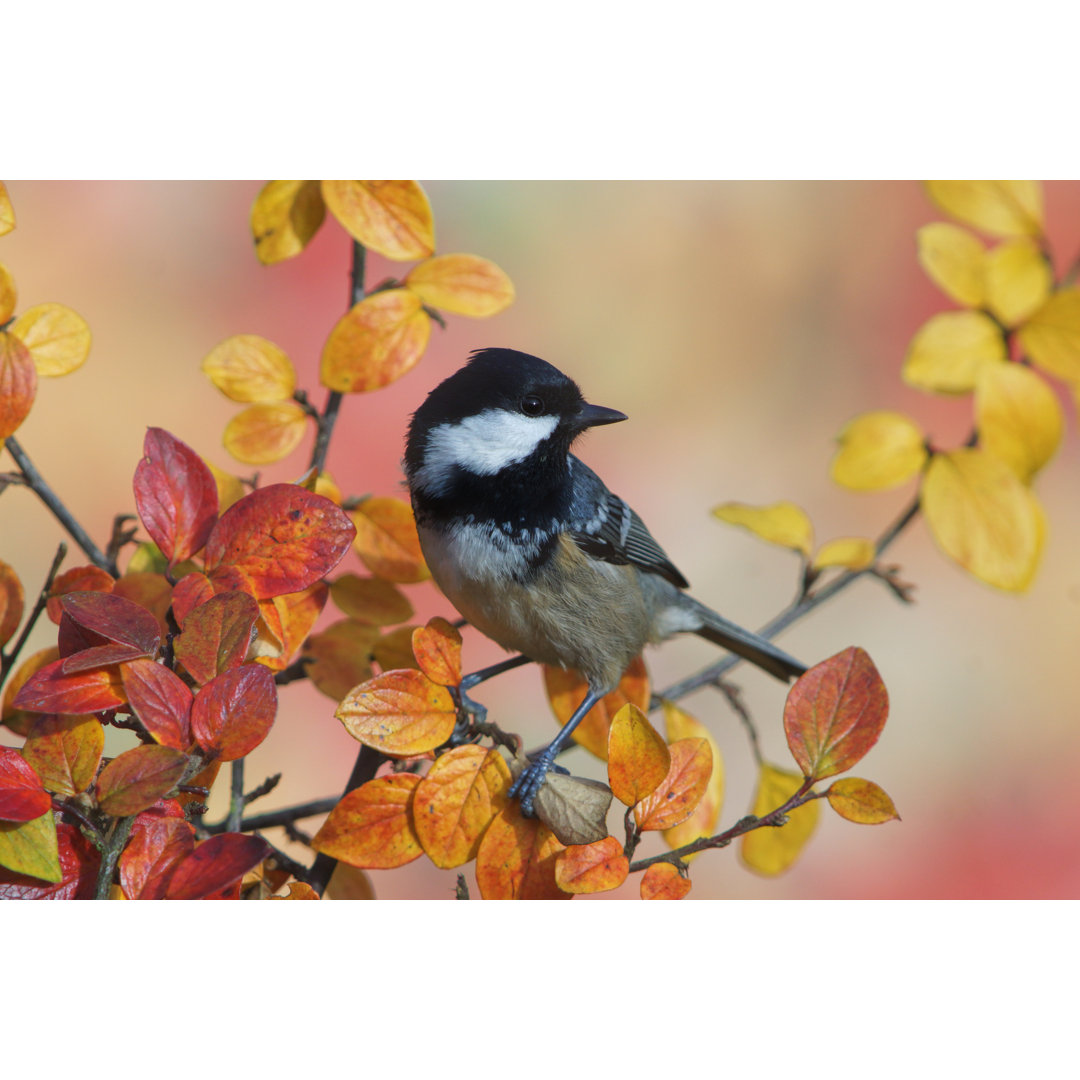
(8,660)
(276,818)
(36,482)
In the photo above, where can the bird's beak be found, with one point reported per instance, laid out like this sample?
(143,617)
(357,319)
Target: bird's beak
(595,415)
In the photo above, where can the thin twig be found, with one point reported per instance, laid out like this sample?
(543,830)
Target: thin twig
(8,660)
(276,818)
(264,788)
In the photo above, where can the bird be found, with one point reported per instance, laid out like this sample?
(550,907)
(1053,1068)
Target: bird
(531,547)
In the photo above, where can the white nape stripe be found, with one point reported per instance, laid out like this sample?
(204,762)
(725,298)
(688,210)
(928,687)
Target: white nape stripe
(483,444)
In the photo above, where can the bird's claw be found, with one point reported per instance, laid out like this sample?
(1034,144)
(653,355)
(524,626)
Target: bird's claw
(526,787)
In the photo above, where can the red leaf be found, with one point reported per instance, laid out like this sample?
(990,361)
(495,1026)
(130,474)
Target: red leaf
(188,593)
(51,690)
(175,494)
(115,619)
(161,700)
(284,537)
(77,579)
(22,797)
(217,635)
(138,778)
(835,713)
(215,865)
(156,848)
(79,861)
(18,383)
(233,712)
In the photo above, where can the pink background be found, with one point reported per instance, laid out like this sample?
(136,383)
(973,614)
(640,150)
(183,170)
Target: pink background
(740,325)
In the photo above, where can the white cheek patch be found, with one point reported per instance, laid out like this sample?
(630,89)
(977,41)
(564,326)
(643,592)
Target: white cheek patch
(483,444)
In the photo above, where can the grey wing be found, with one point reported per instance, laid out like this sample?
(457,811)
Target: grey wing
(607,528)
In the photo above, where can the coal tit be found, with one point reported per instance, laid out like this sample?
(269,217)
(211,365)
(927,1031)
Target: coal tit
(527,542)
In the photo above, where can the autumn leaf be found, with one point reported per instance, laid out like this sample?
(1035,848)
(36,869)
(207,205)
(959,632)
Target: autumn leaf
(592,868)
(138,778)
(8,295)
(77,579)
(217,635)
(770,850)
(114,619)
(861,801)
(18,383)
(1051,337)
(1018,280)
(266,432)
(516,859)
(339,657)
(151,591)
(50,690)
(954,261)
(566,690)
(1019,418)
(230,488)
(19,720)
(386,540)
(65,751)
(22,796)
(216,864)
(11,602)
(461,284)
(57,337)
(983,517)
(401,713)
(349,883)
(637,757)
(674,800)
(437,648)
(662,881)
(7,212)
(298,612)
(456,801)
(152,855)
(372,827)
(233,712)
(393,649)
(574,808)
(175,495)
(285,216)
(782,523)
(161,700)
(376,342)
(998,207)
(849,552)
(878,450)
(370,600)
(282,537)
(949,351)
(679,724)
(65,861)
(392,217)
(835,713)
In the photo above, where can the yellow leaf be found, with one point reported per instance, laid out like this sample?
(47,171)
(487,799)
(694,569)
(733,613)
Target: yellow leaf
(878,450)
(376,342)
(57,337)
(949,350)
(285,216)
(953,260)
(1019,418)
(983,517)
(462,284)
(638,759)
(229,488)
(1018,280)
(8,296)
(861,801)
(998,207)
(679,724)
(29,847)
(249,368)
(1051,337)
(392,217)
(852,553)
(782,523)
(7,211)
(265,433)
(770,850)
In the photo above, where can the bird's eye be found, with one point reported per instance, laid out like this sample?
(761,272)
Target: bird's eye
(531,405)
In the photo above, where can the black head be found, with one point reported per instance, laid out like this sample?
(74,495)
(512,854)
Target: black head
(503,411)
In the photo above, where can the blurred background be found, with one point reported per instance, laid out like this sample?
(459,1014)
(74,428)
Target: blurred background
(740,325)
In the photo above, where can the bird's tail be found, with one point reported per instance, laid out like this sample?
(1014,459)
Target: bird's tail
(747,644)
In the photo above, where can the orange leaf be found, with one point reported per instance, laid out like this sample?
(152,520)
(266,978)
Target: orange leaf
(392,217)
(65,751)
(11,602)
(702,822)
(372,827)
(18,383)
(835,713)
(217,635)
(376,342)
(638,758)
(299,890)
(16,719)
(8,295)
(57,337)
(371,600)
(188,593)
(283,537)
(437,648)
(393,649)
(285,216)
(591,868)
(340,657)
(662,881)
(566,691)
(456,802)
(138,778)
(50,690)
(401,713)
(161,700)
(266,432)
(462,284)
(298,612)
(386,540)
(77,579)
(681,790)
(516,859)
(234,711)
(861,801)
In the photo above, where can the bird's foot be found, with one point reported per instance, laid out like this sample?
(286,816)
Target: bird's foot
(526,787)
(469,713)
